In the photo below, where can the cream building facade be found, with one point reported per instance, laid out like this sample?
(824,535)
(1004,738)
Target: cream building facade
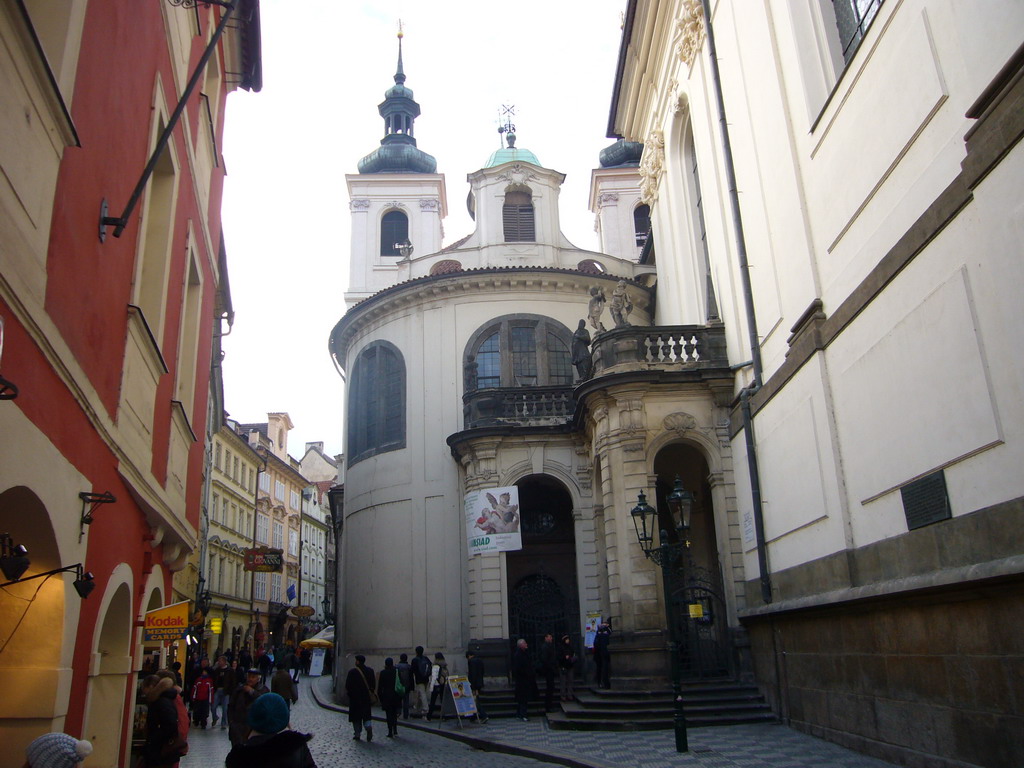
(862,271)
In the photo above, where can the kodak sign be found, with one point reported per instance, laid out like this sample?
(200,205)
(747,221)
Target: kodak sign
(167,623)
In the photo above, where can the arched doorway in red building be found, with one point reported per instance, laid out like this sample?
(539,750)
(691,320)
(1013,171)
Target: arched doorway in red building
(110,670)
(32,625)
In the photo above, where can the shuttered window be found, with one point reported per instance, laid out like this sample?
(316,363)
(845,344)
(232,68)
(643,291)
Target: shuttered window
(517,217)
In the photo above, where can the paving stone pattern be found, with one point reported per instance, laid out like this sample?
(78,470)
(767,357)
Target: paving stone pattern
(444,745)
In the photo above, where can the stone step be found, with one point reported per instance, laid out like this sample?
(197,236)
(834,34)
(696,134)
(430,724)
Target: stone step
(560,721)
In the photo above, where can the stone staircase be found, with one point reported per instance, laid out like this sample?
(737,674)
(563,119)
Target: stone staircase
(721,702)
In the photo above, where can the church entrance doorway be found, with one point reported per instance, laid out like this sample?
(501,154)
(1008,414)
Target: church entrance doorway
(696,586)
(542,589)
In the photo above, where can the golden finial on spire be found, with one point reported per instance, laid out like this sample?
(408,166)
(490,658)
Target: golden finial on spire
(400,33)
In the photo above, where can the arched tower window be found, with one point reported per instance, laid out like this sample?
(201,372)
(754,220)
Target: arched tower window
(697,219)
(376,404)
(517,216)
(394,230)
(519,351)
(642,223)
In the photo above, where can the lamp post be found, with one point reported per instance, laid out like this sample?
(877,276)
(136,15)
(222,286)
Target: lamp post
(671,557)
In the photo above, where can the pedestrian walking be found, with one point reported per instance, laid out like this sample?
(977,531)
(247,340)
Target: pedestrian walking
(284,685)
(164,746)
(293,664)
(271,744)
(475,673)
(566,663)
(202,697)
(184,720)
(390,698)
(549,668)
(421,668)
(438,682)
(222,676)
(405,676)
(523,679)
(244,659)
(56,750)
(360,685)
(238,707)
(602,655)
(266,665)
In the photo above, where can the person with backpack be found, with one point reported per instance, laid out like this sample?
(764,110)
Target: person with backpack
(438,682)
(421,677)
(164,745)
(202,697)
(405,677)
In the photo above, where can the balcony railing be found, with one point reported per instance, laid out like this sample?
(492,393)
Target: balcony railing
(659,347)
(519,406)
(685,348)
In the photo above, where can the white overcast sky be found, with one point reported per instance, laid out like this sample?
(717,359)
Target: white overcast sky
(326,65)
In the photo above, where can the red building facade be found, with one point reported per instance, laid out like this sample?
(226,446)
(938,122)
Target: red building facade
(110,295)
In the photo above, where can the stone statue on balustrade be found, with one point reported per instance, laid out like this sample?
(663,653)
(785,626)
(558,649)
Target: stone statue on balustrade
(581,355)
(595,308)
(620,305)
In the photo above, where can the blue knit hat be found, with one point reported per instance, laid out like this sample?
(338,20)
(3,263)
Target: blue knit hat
(57,750)
(268,714)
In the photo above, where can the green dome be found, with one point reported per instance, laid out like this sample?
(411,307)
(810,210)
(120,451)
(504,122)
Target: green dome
(512,155)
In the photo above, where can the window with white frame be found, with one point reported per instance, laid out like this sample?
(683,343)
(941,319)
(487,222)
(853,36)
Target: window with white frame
(278,541)
(275,587)
(214,503)
(262,529)
(293,543)
(259,584)
(279,490)
(265,482)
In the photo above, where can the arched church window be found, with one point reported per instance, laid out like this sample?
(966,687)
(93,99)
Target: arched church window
(376,405)
(394,230)
(642,223)
(517,216)
(519,351)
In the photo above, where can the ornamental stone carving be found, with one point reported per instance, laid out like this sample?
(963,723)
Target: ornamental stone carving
(359,205)
(518,174)
(679,422)
(430,204)
(394,204)
(607,198)
(652,164)
(690,27)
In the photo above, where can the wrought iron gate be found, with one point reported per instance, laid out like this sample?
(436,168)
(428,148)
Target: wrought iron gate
(702,626)
(538,606)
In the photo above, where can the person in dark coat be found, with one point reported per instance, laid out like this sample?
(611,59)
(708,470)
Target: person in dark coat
(548,668)
(161,722)
(390,701)
(238,708)
(438,682)
(522,679)
(405,675)
(566,661)
(475,673)
(602,655)
(283,684)
(271,743)
(358,684)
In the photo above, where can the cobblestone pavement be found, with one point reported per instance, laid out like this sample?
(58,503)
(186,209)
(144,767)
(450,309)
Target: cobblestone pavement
(332,745)
(511,744)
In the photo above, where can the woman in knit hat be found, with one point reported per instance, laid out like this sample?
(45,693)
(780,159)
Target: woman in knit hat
(271,744)
(57,750)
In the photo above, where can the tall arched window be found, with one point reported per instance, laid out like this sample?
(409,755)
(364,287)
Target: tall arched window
(697,216)
(394,230)
(642,223)
(519,351)
(376,403)
(517,216)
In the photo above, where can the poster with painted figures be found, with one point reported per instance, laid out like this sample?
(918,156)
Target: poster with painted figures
(492,520)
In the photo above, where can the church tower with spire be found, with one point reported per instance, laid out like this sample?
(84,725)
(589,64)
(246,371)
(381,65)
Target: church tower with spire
(397,199)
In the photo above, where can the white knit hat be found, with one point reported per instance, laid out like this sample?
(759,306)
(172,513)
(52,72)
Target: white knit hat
(57,750)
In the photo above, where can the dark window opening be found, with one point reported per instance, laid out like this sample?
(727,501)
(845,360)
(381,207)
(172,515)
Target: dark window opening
(394,230)
(642,223)
(520,351)
(517,217)
(376,407)
(853,17)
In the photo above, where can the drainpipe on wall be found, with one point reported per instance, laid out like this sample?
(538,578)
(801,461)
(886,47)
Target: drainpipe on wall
(748,305)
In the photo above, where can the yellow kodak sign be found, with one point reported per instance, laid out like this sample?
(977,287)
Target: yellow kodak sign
(167,623)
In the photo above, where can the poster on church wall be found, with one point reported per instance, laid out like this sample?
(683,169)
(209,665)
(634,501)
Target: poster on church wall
(492,520)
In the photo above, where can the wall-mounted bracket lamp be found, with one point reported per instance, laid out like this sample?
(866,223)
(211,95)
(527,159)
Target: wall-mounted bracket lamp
(13,559)
(84,582)
(93,500)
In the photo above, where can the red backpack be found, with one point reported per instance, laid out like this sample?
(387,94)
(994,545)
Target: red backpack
(202,690)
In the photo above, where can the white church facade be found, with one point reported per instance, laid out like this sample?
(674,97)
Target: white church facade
(809,320)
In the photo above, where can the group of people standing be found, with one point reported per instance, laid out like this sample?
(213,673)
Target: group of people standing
(256,717)
(415,687)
